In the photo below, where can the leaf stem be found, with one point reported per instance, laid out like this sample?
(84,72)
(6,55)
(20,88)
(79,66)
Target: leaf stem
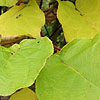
(54,45)
(57,48)
(19,2)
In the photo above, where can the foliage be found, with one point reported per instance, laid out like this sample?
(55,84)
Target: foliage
(23,66)
(79,21)
(21,20)
(24,94)
(8,3)
(74,73)
(68,73)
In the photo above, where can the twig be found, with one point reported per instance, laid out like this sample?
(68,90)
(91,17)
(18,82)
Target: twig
(47,30)
(41,4)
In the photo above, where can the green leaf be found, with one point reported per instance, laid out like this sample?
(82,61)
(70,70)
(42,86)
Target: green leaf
(15,47)
(74,74)
(81,21)
(22,20)
(24,94)
(8,3)
(21,69)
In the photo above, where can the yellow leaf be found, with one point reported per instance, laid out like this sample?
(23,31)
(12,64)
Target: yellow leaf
(81,23)
(8,3)
(24,94)
(22,20)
